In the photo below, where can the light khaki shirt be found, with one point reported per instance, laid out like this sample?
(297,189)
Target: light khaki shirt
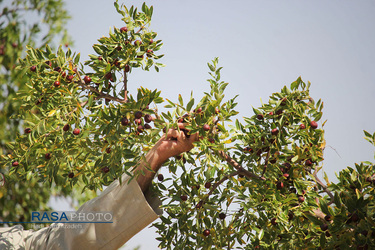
(132,212)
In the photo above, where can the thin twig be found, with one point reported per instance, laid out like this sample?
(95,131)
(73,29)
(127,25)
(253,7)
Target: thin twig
(325,188)
(82,83)
(14,10)
(82,104)
(266,162)
(237,166)
(125,87)
(335,151)
(221,181)
(101,94)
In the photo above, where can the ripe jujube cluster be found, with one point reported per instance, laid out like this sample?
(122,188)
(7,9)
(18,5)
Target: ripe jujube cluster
(140,120)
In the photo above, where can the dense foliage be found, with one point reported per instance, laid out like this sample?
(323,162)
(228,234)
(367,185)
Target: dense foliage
(22,23)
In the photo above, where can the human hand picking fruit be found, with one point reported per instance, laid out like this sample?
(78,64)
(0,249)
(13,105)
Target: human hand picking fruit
(172,143)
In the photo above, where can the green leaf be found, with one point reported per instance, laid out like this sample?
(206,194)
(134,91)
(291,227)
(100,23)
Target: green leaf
(322,240)
(144,7)
(295,158)
(256,111)
(180,100)
(76,59)
(337,199)
(261,234)
(48,50)
(324,206)
(116,5)
(97,49)
(294,85)
(151,11)
(190,104)
(353,176)
(52,112)
(358,193)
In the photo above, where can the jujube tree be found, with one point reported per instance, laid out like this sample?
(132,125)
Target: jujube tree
(246,184)
(17,30)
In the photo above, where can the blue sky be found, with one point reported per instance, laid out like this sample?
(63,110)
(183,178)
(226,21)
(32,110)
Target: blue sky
(262,45)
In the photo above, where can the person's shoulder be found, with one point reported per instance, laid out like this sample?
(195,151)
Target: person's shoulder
(13,237)
(14,229)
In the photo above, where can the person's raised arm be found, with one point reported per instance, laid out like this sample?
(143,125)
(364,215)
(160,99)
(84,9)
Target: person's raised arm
(131,210)
(173,143)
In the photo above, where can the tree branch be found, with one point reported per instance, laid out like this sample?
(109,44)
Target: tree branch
(221,181)
(82,104)
(14,10)
(318,213)
(237,166)
(82,83)
(125,87)
(266,162)
(325,188)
